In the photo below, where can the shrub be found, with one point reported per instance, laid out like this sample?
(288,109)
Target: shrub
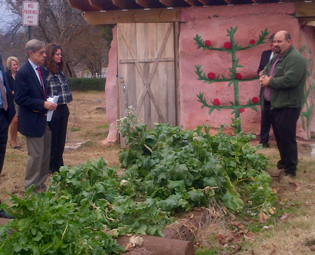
(85,84)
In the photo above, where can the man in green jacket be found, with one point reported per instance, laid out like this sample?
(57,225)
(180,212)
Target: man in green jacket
(284,78)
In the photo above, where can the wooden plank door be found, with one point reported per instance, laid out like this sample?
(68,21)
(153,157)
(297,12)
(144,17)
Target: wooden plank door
(146,71)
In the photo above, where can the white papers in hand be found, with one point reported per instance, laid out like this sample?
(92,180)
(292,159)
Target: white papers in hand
(52,100)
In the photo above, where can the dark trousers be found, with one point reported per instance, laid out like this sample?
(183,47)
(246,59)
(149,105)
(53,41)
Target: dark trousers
(265,124)
(4,125)
(58,126)
(284,128)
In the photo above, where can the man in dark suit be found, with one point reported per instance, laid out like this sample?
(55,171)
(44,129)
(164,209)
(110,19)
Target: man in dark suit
(30,95)
(265,101)
(7,112)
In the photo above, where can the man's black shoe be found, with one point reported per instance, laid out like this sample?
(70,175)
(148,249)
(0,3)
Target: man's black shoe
(5,215)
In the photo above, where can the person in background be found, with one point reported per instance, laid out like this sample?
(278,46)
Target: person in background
(31,96)
(7,112)
(58,85)
(285,77)
(265,123)
(12,67)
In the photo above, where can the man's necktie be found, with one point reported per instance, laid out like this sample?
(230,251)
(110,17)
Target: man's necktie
(4,96)
(267,90)
(41,80)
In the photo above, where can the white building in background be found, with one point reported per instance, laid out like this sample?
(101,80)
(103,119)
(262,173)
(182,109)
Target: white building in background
(85,73)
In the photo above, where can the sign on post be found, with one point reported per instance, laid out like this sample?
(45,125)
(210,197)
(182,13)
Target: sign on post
(30,13)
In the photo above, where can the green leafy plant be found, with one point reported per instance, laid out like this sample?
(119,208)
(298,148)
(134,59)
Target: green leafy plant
(307,112)
(48,224)
(188,168)
(85,209)
(167,170)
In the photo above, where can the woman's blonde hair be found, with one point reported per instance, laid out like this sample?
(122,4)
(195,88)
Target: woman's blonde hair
(9,61)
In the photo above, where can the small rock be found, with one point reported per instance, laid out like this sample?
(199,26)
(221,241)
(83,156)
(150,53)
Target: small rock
(100,109)
(310,242)
(76,146)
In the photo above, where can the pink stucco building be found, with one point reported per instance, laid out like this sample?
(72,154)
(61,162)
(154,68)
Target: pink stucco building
(153,60)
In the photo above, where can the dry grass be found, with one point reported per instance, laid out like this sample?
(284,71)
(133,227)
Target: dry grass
(291,234)
(293,230)
(87,123)
(288,236)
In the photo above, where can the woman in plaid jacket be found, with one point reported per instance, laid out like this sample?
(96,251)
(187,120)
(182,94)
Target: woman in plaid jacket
(58,85)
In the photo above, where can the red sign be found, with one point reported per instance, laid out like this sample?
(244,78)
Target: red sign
(30,13)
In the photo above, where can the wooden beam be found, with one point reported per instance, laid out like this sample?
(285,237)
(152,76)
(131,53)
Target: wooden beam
(145,60)
(103,4)
(177,72)
(310,23)
(229,1)
(3,221)
(132,16)
(205,2)
(82,5)
(192,2)
(303,9)
(161,246)
(306,20)
(125,4)
(120,3)
(150,3)
(169,3)
(143,3)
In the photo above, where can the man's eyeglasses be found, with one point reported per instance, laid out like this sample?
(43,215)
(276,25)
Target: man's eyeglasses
(41,52)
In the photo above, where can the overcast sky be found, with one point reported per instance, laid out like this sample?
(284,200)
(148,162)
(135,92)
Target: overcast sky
(5,17)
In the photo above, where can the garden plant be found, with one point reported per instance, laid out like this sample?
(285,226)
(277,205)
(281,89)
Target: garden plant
(167,170)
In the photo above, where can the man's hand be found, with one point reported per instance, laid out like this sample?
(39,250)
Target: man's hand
(261,73)
(264,80)
(50,106)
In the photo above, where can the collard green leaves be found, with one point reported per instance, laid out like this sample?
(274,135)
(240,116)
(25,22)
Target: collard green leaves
(186,163)
(167,170)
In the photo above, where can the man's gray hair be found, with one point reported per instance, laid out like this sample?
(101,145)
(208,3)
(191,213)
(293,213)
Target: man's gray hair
(34,45)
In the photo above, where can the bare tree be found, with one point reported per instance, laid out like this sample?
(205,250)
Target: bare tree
(60,23)
(97,58)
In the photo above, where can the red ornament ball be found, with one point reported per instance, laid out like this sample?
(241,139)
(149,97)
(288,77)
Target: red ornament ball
(211,76)
(216,102)
(227,45)
(255,100)
(252,42)
(208,43)
(239,76)
(241,110)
